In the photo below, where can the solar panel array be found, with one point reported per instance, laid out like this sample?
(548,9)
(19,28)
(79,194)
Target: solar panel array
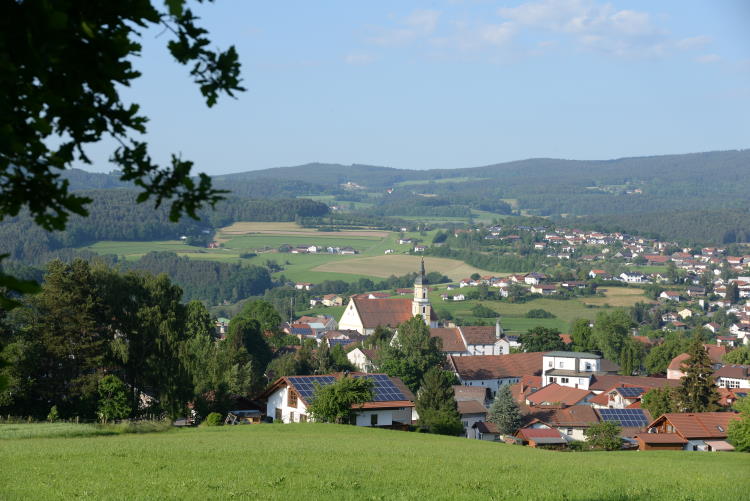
(383,388)
(630,391)
(342,342)
(626,417)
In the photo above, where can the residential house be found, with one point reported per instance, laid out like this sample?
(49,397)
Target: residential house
(534,278)
(633,277)
(288,398)
(715,353)
(494,371)
(554,394)
(670,296)
(573,369)
(572,422)
(733,376)
(303,286)
(485,431)
(544,290)
(364,359)
(541,437)
(332,300)
(701,431)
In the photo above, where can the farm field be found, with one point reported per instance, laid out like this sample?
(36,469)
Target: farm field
(318,461)
(513,314)
(387,265)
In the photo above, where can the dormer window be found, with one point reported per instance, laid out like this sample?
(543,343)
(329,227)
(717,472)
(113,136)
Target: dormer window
(720,428)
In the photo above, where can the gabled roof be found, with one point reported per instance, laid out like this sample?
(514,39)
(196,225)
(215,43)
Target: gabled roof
(578,416)
(462,393)
(572,354)
(484,427)
(698,425)
(514,365)
(450,337)
(479,334)
(660,438)
(385,312)
(471,407)
(733,371)
(541,435)
(609,381)
(556,394)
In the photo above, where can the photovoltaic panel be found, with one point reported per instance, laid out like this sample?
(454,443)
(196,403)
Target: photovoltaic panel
(383,388)
(334,342)
(626,417)
(630,392)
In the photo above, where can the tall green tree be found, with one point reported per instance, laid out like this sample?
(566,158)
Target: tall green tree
(658,401)
(338,402)
(541,339)
(581,334)
(738,356)
(610,332)
(412,353)
(264,312)
(632,356)
(505,412)
(739,431)
(435,404)
(246,333)
(64,64)
(697,392)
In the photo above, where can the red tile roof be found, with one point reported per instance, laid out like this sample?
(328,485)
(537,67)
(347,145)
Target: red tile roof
(479,334)
(450,338)
(532,433)
(515,365)
(660,438)
(699,424)
(601,399)
(609,381)
(463,393)
(733,371)
(556,394)
(385,312)
(579,416)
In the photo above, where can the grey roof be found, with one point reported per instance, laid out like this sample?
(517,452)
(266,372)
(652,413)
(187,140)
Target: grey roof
(572,354)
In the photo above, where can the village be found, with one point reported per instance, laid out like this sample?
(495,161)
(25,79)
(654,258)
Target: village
(561,395)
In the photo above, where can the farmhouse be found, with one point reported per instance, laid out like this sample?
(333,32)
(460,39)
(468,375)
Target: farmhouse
(288,398)
(474,340)
(493,371)
(365,315)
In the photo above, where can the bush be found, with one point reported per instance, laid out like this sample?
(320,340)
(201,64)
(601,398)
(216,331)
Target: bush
(482,311)
(539,313)
(53,414)
(213,419)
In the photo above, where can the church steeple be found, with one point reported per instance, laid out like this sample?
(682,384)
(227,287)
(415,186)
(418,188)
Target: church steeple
(421,303)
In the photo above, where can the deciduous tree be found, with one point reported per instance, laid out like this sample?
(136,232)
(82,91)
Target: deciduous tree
(541,339)
(412,353)
(338,402)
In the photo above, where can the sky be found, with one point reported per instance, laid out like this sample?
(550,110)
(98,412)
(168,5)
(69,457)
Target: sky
(447,84)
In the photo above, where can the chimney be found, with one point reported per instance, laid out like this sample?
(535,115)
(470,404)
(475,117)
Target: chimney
(498,330)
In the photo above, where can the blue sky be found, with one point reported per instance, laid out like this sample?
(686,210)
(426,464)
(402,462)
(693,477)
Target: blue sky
(442,84)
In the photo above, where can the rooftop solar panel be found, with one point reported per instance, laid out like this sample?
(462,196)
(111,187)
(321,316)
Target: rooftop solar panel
(626,417)
(629,392)
(383,388)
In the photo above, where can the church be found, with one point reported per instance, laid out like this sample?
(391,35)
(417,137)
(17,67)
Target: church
(364,314)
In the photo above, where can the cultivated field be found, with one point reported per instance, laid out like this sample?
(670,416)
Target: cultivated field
(247,228)
(618,296)
(387,265)
(315,461)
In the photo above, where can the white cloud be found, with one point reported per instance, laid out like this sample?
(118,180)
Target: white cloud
(419,23)
(693,42)
(359,58)
(708,58)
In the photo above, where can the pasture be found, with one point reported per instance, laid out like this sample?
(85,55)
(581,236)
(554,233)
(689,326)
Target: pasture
(394,264)
(318,461)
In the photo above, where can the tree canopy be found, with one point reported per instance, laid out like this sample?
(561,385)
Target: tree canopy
(412,353)
(62,66)
(337,402)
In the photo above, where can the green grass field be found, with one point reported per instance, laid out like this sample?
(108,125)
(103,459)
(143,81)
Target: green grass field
(513,314)
(314,461)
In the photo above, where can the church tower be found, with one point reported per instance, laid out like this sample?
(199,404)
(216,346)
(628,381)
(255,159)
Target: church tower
(421,303)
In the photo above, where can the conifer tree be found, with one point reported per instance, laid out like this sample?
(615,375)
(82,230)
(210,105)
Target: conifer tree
(435,404)
(504,412)
(697,392)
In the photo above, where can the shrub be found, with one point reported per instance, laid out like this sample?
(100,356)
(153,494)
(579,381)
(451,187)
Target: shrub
(213,419)
(482,311)
(53,414)
(539,313)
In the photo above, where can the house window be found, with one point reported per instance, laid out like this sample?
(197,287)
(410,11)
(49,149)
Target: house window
(562,364)
(550,363)
(291,417)
(564,380)
(277,417)
(373,419)
(291,398)
(303,418)
(588,366)
(732,383)
(569,431)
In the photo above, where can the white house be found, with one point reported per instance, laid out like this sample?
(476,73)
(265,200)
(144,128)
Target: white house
(570,368)
(363,359)
(733,376)
(475,340)
(288,398)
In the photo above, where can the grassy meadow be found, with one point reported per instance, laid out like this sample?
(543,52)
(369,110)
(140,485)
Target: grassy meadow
(513,314)
(317,461)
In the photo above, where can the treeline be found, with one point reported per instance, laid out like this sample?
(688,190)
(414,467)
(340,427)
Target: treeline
(93,336)
(690,227)
(211,281)
(510,262)
(115,215)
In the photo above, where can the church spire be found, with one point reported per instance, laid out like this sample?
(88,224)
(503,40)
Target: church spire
(421,303)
